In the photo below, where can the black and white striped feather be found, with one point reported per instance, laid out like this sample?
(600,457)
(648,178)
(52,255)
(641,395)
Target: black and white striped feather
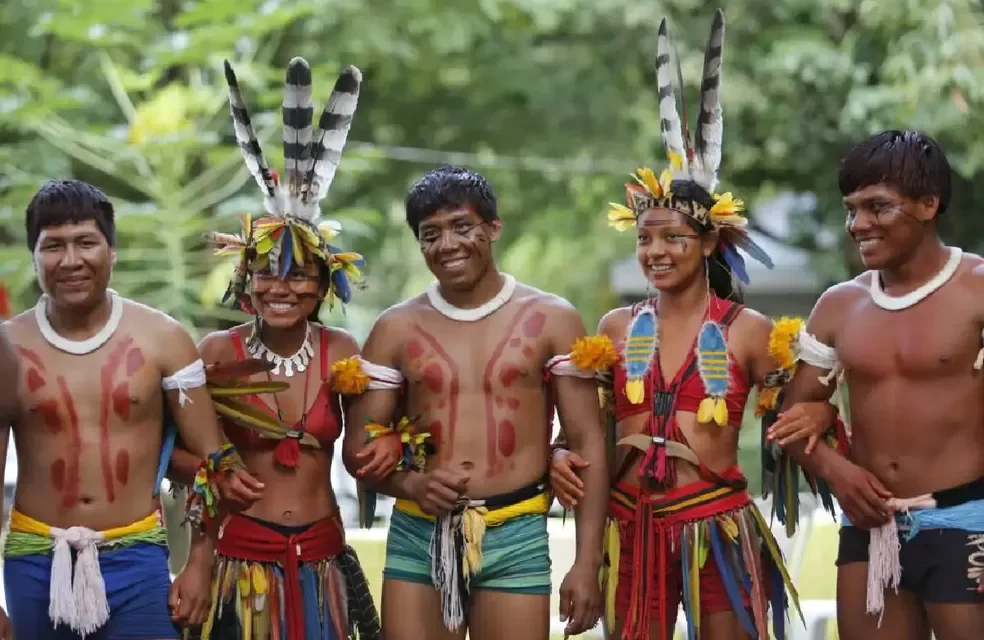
(669,119)
(329,140)
(297,114)
(248,143)
(710,119)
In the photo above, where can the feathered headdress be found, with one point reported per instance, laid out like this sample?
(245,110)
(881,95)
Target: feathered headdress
(687,185)
(291,233)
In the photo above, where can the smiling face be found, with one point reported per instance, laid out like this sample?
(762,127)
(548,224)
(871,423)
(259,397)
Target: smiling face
(457,246)
(886,225)
(286,302)
(670,252)
(73,263)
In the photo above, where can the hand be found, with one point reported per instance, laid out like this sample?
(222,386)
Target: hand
(566,485)
(803,420)
(190,597)
(238,488)
(6,628)
(861,495)
(437,491)
(379,458)
(581,602)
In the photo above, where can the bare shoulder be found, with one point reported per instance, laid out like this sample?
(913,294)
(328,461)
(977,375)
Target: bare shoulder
(217,346)
(615,323)
(751,323)
(396,316)
(552,304)
(20,326)
(341,343)
(152,322)
(972,272)
(843,294)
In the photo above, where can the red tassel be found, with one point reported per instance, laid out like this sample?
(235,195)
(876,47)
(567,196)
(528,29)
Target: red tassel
(655,467)
(288,453)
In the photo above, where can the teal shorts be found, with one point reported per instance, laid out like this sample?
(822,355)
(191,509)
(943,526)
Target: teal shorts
(515,554)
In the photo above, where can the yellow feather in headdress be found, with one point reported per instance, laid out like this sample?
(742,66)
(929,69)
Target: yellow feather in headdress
(329,229)
(620,217)
(647,178)
(726,204)
(676,160)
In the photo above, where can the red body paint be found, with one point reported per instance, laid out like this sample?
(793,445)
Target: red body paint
(414,350)
(533,326)
(436,430)
(72,476)
(106,375)
(433,377)
(34,380)
(491,427)
(515,342)
(123,467)
(507,438)
(454,386)
(513,403)
(32,357)
(58,475)
(48,410)
(509,374)
(134,361)
(121,400)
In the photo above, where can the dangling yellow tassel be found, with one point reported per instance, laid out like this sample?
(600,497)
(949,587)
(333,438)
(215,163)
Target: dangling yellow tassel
(712,409)
(635,391)
(474,528)
(609,579)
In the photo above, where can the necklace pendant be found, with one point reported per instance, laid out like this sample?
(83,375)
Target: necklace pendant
(288,367)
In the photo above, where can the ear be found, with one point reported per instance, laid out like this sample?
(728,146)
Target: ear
(929,207)
(112,256)
(495,227)
(708,242)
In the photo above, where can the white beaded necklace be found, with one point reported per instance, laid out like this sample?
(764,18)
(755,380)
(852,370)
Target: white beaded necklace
(448,310)
(897,303)
(79,347)
(299,361)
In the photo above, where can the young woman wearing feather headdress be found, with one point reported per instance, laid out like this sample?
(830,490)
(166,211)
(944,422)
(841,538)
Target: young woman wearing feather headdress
(682,526)
(904,338)
(282,569)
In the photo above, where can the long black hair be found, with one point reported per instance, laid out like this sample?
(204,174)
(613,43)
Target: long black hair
(722,281)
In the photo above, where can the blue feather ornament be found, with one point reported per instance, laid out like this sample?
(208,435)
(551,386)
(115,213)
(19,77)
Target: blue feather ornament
(712,364)
(640,349)
(286,252)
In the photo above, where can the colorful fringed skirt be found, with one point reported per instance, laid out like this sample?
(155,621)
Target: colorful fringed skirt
(705,545)
(288,583)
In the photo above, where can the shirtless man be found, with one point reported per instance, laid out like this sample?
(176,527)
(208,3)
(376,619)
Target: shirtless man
(8,411)
(95,370)
(473,352)
(907,335)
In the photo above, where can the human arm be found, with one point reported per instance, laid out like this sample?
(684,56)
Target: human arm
(195,418)
(577,407)
(8,413)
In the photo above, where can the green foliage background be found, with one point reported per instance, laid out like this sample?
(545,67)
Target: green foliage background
(552,99)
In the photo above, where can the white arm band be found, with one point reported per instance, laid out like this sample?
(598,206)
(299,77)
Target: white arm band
(380,376)
(191,377)
(815,353)
(562,366)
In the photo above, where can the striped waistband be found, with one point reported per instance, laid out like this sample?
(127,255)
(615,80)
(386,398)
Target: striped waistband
(494,515)
(693,501)
(29,536)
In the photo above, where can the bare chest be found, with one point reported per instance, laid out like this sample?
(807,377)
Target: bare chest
(477,358)
(927,340)
(116,383)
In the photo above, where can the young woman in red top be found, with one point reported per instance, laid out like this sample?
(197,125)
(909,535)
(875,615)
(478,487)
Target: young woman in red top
(682,526)
(281,569)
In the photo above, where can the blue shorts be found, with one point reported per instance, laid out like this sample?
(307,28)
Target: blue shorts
(137,584)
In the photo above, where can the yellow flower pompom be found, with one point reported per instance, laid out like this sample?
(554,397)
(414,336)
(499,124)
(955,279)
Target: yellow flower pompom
(348,378)
(784,341)
(594,353)
(766,401)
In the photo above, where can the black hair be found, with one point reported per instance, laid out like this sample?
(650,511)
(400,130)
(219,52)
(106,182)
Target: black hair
(722,282)
(60,202)
(448,187)
(910,161)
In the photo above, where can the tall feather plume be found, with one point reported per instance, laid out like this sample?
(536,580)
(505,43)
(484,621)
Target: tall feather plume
(710,119)
(248,143)
(297,114)
(329,140)
(669,119)
(362,613)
